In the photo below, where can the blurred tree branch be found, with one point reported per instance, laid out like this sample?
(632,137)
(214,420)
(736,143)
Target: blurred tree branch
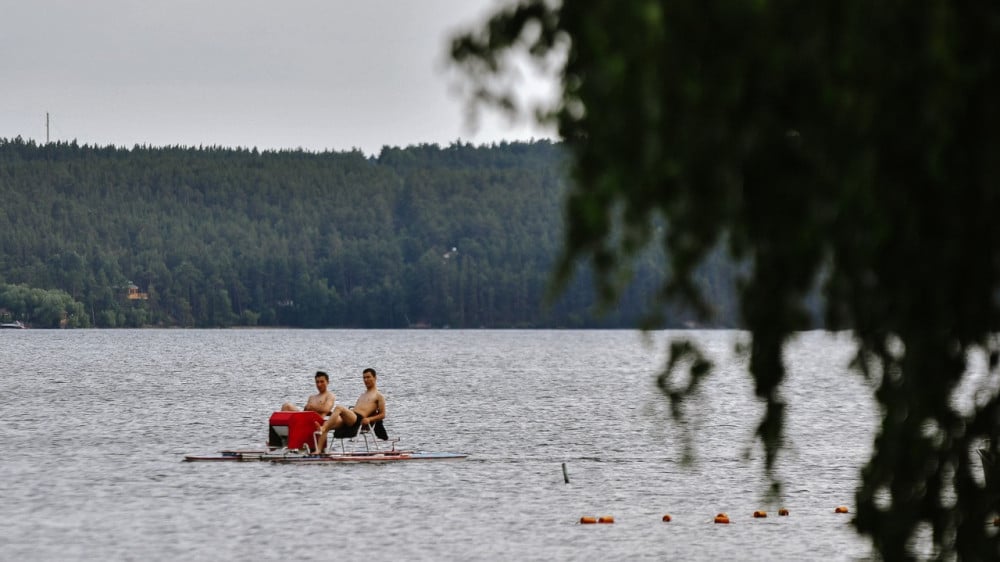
(851,142)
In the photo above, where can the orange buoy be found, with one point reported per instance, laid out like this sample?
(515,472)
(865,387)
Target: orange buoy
(586,519)
(760,514)
(782,511)
(840,509)
(722,518)
(606,519)
(666,518)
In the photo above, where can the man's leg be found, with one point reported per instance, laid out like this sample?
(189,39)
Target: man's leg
(339,417)
(324,429)
(289,407)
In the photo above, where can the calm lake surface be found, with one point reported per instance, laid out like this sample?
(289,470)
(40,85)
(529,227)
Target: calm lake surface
(94,426)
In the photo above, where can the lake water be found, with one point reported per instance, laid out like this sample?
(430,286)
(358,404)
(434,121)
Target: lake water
(94,425)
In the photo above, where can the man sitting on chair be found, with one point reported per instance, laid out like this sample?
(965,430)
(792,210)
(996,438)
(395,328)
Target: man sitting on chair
(322,402)
(369,409)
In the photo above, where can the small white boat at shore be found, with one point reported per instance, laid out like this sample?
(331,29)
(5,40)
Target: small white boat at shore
(15,325)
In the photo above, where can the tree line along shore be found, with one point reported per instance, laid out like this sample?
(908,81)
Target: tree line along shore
(459,236)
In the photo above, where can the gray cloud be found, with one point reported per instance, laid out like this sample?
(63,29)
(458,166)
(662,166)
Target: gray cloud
(306,73)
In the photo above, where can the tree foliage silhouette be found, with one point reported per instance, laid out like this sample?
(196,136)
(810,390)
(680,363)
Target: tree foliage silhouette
(843,144)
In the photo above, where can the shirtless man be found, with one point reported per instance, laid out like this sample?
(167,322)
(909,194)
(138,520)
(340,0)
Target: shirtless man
(322,402)
(369,408)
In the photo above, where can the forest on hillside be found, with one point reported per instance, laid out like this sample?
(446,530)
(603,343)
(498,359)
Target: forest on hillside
(460,236)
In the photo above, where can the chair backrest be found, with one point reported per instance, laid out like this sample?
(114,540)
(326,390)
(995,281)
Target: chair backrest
(378,428)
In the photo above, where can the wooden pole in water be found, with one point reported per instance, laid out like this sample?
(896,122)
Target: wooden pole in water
(565,474)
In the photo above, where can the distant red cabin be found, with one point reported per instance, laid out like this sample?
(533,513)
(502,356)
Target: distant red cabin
(135,295)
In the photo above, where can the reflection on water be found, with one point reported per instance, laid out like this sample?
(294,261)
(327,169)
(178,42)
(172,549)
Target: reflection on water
(95,423)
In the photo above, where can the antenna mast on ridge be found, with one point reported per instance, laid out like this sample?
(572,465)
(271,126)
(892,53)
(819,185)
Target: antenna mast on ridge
(46,127)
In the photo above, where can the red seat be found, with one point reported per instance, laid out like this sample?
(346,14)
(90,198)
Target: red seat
(292,429)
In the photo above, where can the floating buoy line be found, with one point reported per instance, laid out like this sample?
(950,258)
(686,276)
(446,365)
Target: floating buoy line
(590,520)
(720,518)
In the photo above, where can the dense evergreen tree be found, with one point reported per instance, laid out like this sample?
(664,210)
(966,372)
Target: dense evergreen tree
(460,236)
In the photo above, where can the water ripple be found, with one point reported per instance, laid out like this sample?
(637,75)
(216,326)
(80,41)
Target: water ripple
(94,424)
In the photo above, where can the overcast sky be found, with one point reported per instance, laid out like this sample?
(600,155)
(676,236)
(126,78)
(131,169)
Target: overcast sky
(315,74)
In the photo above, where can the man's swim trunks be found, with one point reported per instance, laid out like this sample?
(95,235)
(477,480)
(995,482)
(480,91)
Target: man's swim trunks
(348,432)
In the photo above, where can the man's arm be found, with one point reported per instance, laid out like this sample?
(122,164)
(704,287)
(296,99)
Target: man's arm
(379,410)
(329,401)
